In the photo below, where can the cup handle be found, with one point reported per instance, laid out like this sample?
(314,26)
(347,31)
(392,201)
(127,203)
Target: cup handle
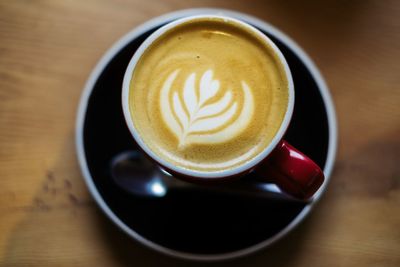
(292,171)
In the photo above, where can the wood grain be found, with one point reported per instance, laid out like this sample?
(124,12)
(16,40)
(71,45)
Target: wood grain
(47,50)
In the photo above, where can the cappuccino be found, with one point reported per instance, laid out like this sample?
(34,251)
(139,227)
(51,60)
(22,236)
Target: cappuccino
(208,95)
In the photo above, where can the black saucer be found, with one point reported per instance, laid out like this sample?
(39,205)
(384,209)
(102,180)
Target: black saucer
(194,222)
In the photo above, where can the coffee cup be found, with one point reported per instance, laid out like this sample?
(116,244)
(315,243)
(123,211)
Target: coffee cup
(209,99)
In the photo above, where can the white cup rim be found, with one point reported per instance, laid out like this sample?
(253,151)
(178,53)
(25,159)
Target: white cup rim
(209,175)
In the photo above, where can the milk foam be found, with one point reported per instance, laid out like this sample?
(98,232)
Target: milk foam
(193,119)
(208,95)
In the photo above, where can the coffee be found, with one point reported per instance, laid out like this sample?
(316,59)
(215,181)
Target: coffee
(208,95)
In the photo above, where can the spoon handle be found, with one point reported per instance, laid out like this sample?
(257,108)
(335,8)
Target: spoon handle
(239,188)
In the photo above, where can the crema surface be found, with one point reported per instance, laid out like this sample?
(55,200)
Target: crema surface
(208,95)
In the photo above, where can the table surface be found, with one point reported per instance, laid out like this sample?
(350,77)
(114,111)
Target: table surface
(48,49)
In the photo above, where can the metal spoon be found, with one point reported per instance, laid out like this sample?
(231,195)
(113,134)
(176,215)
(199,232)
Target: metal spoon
(134,173)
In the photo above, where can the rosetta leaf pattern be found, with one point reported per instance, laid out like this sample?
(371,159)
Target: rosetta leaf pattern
(194,112)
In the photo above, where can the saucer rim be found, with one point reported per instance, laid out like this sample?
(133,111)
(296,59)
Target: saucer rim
(141,29)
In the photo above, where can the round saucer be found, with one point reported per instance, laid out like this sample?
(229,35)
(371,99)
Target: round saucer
(195,224)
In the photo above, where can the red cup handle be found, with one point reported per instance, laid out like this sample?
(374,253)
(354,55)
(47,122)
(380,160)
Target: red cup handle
(292,171)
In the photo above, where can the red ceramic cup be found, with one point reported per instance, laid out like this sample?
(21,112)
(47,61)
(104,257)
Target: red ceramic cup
(280,163)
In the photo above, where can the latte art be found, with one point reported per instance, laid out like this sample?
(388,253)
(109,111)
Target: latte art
(194,117)
(208,95)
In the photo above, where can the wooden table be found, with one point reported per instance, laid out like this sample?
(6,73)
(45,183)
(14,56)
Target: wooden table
(47,50)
